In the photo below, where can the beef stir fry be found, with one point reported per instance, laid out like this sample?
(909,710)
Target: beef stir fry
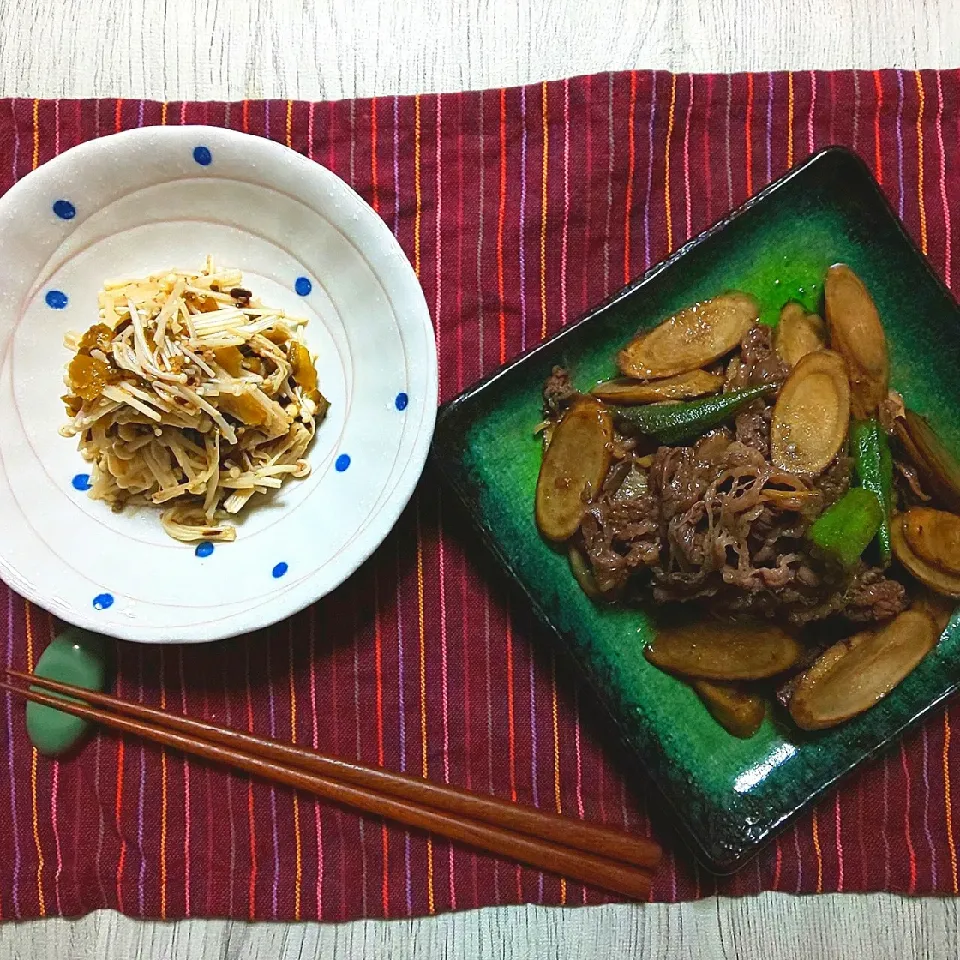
(772,482)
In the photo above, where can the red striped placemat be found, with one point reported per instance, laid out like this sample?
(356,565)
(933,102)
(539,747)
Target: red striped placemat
(519,209)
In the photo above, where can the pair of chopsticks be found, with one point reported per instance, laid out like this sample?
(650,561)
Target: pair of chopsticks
(600,856)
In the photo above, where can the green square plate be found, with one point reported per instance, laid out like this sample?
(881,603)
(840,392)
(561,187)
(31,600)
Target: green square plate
(730,795)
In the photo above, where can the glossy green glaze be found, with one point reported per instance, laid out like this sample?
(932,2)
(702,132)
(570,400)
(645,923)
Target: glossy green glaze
(730,795)
(76,657)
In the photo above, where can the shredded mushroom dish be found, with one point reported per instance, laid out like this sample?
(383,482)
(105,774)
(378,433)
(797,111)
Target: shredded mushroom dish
(191,394)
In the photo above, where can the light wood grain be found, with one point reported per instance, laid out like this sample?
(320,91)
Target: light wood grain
(230,49)
(768,927)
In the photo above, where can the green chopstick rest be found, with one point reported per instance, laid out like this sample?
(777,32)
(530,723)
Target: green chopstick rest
(75,657)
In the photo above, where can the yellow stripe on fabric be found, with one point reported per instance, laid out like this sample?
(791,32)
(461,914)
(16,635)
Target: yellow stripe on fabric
(556,759)
(790,119)
(816,849)
(948,800)
(290,124)
(431,905)
(36,832)
(41,902)
(36,134)
(923,212)
(416,184)
(666,170)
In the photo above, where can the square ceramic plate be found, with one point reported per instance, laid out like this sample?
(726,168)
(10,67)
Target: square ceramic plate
(730,795)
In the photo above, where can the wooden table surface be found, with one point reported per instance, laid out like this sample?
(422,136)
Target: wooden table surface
(231,49)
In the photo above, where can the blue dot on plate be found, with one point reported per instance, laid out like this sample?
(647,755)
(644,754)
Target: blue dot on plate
(64,209)
(103,601)
(343,461)
(204,549)
(81,481)
(401,401)
(203,156)
(279,570)
(56,299)
(303,286)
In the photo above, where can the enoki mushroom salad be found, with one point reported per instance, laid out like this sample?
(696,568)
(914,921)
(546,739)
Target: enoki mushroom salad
(191,394)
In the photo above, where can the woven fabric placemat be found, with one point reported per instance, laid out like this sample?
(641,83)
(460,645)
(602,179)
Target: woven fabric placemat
(519,209)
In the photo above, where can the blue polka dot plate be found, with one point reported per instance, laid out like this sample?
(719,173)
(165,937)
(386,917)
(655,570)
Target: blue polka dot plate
(143,200)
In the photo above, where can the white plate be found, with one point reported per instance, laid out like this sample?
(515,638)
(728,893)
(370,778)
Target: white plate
(160,197)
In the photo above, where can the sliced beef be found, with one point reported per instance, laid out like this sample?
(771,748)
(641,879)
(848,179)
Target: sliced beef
(834,482)
(908,484)
(873,596)
(753,427)
(717,521)
(619,537)
(868,596)
(558,390)
(758,361)
(725,538)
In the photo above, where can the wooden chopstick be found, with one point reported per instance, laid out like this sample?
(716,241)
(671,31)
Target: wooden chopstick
(590,868)
(592,838)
